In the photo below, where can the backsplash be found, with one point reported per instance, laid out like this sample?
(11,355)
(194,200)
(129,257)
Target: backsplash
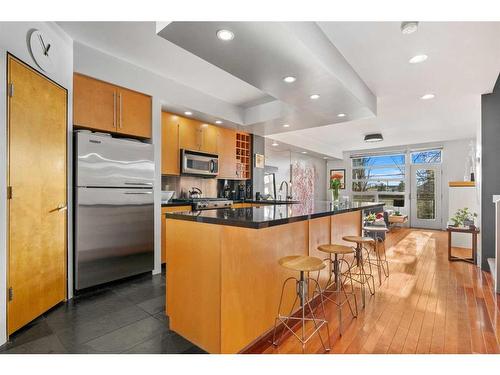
(183,184)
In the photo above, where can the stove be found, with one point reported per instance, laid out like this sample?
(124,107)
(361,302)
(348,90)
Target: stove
(207,203)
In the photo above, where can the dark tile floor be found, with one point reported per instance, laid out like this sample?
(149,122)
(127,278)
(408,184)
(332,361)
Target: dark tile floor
(123,317)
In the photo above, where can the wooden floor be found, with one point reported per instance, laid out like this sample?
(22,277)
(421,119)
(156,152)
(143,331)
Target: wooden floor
(427,305)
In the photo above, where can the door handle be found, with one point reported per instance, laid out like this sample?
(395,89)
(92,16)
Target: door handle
(114,109)
(61,207)
(138,192)
(120,100)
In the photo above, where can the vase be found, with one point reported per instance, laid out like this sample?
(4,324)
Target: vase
(335,195)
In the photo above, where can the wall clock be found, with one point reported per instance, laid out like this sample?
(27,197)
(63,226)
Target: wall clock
(42,50)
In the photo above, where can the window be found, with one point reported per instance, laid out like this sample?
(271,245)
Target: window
(426,157)
(379,178)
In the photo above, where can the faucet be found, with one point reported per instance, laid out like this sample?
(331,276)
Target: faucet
(287,197)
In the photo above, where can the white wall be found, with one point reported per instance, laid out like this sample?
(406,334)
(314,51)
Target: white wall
(453,167)
(283,159)
(13,36)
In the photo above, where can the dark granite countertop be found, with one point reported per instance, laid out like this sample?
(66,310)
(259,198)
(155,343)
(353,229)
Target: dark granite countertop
(175,203)
(269,215)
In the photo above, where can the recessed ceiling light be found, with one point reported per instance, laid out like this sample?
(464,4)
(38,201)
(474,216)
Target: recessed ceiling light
(289,79)
(409,27)
(188,113)
(275,144)
(225,35)
(304,152)
(417,59)
(341,115)
(314,96)
(286,125)
(325,157)
(218,121)
(376,137)
(427,96)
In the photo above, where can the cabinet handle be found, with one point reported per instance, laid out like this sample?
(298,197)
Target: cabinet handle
(114,109)
(120,99)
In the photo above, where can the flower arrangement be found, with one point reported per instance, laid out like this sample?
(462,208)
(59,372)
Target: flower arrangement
(335,182)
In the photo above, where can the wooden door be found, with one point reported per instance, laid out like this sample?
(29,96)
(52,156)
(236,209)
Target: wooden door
(170,155)
(134,113)
(94,104)
(189,134)
(227,153)
(209,135)
(37,132)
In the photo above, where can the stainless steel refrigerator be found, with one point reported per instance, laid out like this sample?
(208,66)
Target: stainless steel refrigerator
(113,208)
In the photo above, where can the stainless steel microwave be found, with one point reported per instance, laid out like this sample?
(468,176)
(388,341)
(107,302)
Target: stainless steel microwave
(199,163)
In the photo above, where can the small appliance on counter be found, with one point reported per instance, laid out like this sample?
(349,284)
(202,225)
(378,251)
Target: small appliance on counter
(114,215)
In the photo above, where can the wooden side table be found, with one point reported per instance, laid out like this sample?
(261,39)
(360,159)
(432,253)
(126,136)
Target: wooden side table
(472,230)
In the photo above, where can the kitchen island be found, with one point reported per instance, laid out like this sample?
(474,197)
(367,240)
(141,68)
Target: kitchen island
(223,277)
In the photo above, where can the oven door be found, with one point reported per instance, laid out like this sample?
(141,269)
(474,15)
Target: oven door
(199,163)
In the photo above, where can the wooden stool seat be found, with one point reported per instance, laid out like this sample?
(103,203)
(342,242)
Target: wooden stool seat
(302,263)
(358,239)
(336,249)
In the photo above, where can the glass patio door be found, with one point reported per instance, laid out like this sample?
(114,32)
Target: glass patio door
(425,196)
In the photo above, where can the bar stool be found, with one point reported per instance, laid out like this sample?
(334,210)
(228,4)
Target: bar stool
(359,261)
(336,271)
(378,233)
(302,264)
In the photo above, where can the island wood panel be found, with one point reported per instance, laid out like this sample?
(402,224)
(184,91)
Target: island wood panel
(347,224)
(194,282)
(252,279)
(164,243)
(319,234)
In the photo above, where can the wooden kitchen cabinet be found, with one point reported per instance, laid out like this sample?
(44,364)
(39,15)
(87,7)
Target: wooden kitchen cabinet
(170,155)
(101,106)
(227,154)
(134,113)
(94,104)
(189,134)
(209,139)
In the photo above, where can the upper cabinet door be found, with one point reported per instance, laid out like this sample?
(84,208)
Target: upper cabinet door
(170,163)
(190,134)
(227,153)
(134,115)
(94,104)
(209,135)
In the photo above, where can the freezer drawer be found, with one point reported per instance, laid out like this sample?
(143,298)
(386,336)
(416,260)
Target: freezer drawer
(107,161)
(113,234)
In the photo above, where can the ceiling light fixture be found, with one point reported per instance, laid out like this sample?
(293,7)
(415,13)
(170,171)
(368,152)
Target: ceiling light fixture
(188,113)
(375,137)
(289,79)
(304,152)
(325,157)
(218,121)
(286,125)
(225,35)
(275,144)
(341,115)
(314,96)
(409,27)
(417,59)
(427,96)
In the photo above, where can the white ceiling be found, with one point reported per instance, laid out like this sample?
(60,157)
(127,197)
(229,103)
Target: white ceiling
(137,43)
(463,63)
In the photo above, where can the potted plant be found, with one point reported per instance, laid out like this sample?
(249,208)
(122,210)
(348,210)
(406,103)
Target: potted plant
(370,218)
(463,218)
(335,182)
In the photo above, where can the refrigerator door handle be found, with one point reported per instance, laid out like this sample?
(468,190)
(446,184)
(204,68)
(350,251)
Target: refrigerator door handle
(138,192)
(139,183)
